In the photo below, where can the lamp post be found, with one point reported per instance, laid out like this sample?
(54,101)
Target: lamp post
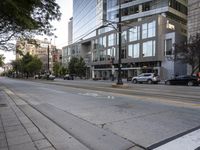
(48,49)
(48,58)
(119,80)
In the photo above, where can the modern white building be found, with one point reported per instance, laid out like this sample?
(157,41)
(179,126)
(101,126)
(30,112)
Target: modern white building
(149,29)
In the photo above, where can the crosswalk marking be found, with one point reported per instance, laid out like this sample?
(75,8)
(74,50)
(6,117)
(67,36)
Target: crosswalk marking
(189,141)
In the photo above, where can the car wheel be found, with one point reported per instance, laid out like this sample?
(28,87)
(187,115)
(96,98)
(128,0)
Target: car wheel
(134,81)
(168,83)
(149,81)
(190,83)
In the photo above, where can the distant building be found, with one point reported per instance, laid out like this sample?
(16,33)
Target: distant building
(38,48)
(70,31)
(193,21)
(149,29)
(193,17)
(7,67)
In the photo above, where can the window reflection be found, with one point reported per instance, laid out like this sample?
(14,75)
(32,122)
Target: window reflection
(149,30)
(134,50)
(149,48)
(134,33)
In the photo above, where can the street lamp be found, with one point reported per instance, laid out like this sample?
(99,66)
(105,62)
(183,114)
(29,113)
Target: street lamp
(48,56)
(119,31)
(119,80)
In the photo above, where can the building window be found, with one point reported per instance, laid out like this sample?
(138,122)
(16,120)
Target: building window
(168,47)
(149,48)
(178,6)
(144,31)
(95,56)
(148,30)
(151,29)
(146,6)
(102,42)
(111,53)
(134,50)
(124,36)
(111,39)
(95,42)
(134,34)
(123,52)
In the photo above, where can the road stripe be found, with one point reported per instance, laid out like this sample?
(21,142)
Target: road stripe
(190,141)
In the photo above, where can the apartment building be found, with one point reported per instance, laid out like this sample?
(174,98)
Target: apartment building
(37,48)
(149,30)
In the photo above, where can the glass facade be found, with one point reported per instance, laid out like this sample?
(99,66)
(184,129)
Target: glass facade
(134,50)
(193,17)
(85,18)
(149,48)
(168,47)
(142,22)
(134,34)
(148,30)
(112,39)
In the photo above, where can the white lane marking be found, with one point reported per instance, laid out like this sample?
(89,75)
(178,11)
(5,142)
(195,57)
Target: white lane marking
(189,141)
(97,95)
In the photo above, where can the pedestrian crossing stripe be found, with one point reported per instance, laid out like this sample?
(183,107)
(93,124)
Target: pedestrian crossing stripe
(190,141)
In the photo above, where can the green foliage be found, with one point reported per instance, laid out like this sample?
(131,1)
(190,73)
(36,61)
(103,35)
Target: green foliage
(189,52)
(77,66)
(63,71)
(25,17)
(28,65)
(34,66)
(59,70)
(1,60)
(72,65)
(56,68)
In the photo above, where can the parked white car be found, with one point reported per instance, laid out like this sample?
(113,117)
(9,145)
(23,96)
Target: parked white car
(146,78)
(51,77)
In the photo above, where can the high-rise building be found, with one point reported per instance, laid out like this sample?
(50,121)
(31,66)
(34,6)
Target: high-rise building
(149,29)
(193,17)
(70,31)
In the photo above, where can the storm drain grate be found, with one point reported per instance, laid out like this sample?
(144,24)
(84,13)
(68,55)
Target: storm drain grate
(3,105)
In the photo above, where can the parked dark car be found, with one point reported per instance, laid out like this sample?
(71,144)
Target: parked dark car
(68,77)
(183,80)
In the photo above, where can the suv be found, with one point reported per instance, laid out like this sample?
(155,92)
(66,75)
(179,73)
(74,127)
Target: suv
(146,77)
(68,77)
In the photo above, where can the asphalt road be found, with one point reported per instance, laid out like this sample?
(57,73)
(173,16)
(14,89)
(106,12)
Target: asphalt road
(96,116)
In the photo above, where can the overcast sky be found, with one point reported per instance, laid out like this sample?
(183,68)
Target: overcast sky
(61,26)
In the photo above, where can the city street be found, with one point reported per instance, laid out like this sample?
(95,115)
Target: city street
(91,115)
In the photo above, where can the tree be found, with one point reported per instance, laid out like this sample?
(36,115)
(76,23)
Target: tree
(63,71)
(1,60)
(77,66)
(81,67)
(28,65)
(72,65)
(26,17)
(17,66)
(34,66)
(189,52)
(56,68)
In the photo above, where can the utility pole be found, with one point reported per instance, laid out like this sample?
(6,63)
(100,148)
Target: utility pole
(119,80)
(48,58)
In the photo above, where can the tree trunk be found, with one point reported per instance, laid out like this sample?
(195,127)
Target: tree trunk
(199,63)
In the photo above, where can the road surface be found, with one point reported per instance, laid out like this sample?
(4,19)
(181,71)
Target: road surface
(93,115)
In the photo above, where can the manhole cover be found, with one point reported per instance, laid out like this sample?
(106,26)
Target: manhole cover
(3,105)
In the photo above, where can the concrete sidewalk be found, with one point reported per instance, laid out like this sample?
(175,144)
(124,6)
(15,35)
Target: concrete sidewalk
(17,131)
